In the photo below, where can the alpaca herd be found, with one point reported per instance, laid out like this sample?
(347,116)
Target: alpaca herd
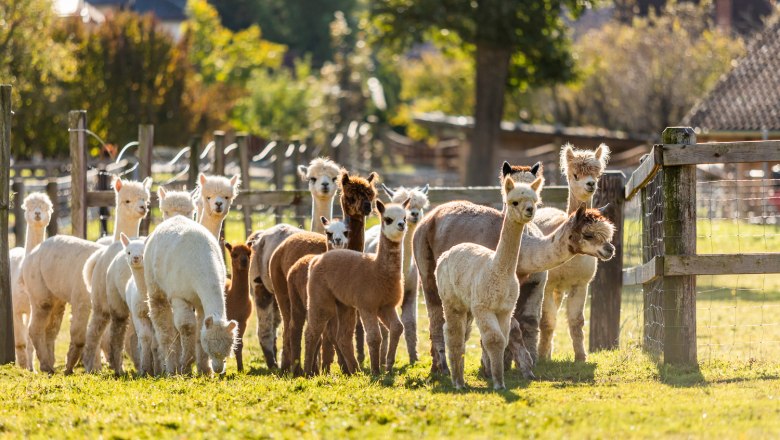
(168,302)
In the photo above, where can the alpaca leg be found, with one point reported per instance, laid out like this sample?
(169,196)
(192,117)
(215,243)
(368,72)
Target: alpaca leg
(162,320)
(202,359)
(529,311)
(239,351)
(131,344)
(54,325)
(494,342)
(317,322)
(360,341)
(347,319)
(80,307)
(97,326)
(575,312)
(436,317)
(409,320)
(373,338)
(455,338)
(284,308)
(390,319)
(117,330)
(145,335)
(330,348)
(39,320)
(383,347)
(21,337)
(186,324)
(547,324)
(518,352)
(297,319)
(267,322)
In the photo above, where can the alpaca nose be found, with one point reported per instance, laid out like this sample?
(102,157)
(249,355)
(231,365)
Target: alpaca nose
(366,208)
(337,241)
(591,185)
(529,211)
(325,185)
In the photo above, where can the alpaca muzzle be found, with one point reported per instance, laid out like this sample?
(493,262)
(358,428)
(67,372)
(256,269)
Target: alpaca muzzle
(606,252)
(366,207)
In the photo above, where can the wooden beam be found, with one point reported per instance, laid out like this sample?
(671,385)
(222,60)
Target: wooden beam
(7,345)
(645,172)
(721,264)
(643,273)
(219,153)
(246,180)
(721,152)
(192,175)
(145,146)
(20,222)
(77,123)
(51,190)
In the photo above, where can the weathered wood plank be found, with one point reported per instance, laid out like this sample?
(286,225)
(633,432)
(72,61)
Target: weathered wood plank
(192,175)
(219,153)
(20,223)
(145,145)
(7,351)
(721,264)
(644,273)
(246,179)
(51,190)
(721,152)
(645,172)
(77,123)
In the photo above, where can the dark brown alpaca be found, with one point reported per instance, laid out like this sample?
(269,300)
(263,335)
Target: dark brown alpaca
(237,302)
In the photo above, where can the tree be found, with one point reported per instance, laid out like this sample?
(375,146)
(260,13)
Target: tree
(520,43)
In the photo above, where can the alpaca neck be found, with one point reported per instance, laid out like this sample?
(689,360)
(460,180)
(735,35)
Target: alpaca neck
(574,203)
(357,226)
(35,235)
(544,253)
(505,258)
(389,254)
(240,282)
(407,248)
(320,208)
(125,224)
(140,279)
(213,223)
(213,305)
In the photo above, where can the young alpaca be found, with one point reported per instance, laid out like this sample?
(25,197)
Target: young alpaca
(132,201)
(216,193)
(185,278)
(322,189)
(37,213)
(583,169)
(419,202)
(175,203)
(297,278)
(237,302)
(477,283)
(342,282)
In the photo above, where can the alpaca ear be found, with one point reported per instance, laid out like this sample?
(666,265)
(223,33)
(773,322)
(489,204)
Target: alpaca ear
(202,179)
(406,203)
(209,322)
(231,325)
(344,177)
(148,183)
(506,169)
(380,206)
(425,189)
(509,184)
(303,171)
(235,181)
(117,184)
(373,176)
(388,191)
(602,153)
(229,247)
(124,239)
(567,155)
(535,168)
(580,214)
(161,193)
(537,184)
(324,221)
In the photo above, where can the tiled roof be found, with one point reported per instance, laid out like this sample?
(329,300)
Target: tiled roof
(748,97)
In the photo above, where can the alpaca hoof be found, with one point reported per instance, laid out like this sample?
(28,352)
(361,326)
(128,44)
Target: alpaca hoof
(580,357)
(499,387)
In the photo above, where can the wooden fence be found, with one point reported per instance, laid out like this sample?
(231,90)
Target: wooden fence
(6,310)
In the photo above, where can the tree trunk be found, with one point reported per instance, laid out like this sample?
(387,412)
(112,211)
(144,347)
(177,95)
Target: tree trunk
(492,71)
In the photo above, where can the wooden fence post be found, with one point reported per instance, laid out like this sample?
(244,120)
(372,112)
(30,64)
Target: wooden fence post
(246,180)
(20,223)
(77,123)
(7,346)
(192,177)
(51,191)
(679,224)
(219,153)
(145,145)
(103,184)
(279,151)
(607,286)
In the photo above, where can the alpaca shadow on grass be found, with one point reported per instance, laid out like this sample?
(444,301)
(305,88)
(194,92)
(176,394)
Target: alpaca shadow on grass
(566,371)
(444,385)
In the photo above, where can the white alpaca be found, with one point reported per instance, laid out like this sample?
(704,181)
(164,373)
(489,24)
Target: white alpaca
(419,202)
(582,169)
(37,213)
(132,201)
(322,175)
(478,283)
(175,203)
(216,194)
(185,279)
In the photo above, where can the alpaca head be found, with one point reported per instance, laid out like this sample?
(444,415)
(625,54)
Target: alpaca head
(522,174)
(357,194)
(239,255)
(37,209)
(218,337)
(175,203)
(134,250)
(521,199)
(583,168)
(322,175)
(132,198)
(591,233)
(217,193)
(337,232)
(393,219)
(418,200)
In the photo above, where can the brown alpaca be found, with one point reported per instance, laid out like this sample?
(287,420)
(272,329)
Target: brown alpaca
(237,302)
(343,282)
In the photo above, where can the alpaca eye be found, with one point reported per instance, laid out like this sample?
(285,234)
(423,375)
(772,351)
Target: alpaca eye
(127,201)
(514,203)
(312,179)
(576,177)
(208,197)
(388,221)
(334,180)
(588,236)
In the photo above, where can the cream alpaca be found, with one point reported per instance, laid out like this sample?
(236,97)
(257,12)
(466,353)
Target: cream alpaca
(582,169)
(322,175)
(419,202)
(185,278)
(132,201)
(477,283)
(342,282)
(175,203)
(215,195)
(37,213)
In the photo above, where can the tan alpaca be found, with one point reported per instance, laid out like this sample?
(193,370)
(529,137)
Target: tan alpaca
(458,222)
(342,282)
(582,169)
(477,283)
(264,243)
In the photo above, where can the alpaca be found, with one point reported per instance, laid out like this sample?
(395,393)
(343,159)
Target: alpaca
(237,302)
(322,175)
(456,222)
(477,283)
(185,278)
(419,202)
(215,195)
(175,203)
(582,169)
(297,278)
(37,213)
(132,201)
(342,282)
